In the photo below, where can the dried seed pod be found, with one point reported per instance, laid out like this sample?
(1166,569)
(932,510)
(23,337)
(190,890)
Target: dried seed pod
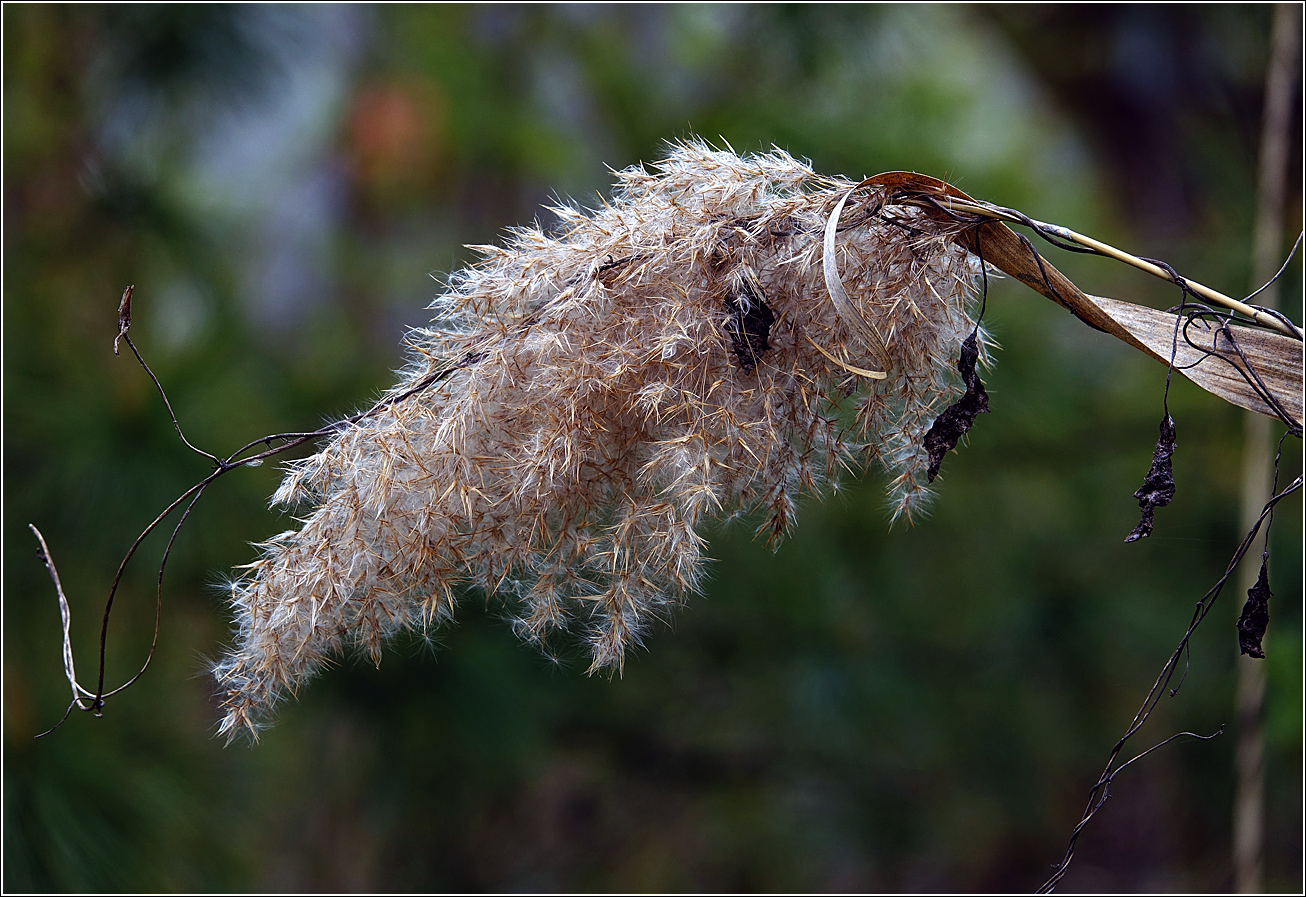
(588,395)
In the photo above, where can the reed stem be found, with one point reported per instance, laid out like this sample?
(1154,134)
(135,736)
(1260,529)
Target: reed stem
(1065,233)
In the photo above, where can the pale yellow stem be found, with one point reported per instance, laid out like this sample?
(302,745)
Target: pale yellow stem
(1065,233)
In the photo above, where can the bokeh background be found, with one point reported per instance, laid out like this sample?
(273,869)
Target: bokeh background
(869,708)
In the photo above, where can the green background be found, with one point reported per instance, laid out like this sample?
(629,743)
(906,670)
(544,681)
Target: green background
(869,708)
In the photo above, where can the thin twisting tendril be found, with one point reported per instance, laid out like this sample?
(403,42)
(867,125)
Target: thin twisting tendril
(1265,286)
(93,701)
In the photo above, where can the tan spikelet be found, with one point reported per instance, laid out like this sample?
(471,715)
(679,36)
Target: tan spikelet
(615,380)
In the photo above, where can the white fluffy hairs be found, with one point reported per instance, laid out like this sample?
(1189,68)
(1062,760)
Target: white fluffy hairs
(587,395)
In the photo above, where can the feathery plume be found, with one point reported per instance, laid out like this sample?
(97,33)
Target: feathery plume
(588,394)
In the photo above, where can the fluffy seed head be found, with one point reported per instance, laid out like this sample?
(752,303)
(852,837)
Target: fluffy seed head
(586,395)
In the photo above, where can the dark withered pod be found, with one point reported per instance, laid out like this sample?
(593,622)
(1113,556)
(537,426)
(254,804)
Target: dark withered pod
(749,320)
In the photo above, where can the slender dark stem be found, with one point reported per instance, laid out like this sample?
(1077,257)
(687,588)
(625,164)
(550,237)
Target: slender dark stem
(276,444)
(167,404)
(1097,795)
(1265,286)
(158,607)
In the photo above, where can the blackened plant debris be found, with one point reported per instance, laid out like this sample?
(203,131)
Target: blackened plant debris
(1256,614)
(749,324)
(1158,486)
(958,418)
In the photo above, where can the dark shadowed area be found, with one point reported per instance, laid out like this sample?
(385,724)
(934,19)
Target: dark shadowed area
(869,708)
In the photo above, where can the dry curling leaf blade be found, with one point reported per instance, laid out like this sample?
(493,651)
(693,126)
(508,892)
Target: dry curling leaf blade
(1203,351)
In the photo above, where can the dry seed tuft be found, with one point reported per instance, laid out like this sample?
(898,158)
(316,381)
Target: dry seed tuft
(670,356)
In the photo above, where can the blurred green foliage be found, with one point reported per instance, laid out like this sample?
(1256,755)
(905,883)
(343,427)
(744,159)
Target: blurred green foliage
(922,708)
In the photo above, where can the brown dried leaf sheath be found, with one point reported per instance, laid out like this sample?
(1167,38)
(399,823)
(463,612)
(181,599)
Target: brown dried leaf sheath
(623,393)
(1213,362)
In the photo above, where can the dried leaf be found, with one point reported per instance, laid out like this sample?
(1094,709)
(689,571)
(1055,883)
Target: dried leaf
(957,419)
(1275,358)
(1158,487)
(843,305)
(1256,614)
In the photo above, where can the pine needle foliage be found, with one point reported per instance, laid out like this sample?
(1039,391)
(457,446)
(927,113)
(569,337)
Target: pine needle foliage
(588,394)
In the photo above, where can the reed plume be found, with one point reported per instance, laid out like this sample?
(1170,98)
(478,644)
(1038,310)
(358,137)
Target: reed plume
(587,394)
